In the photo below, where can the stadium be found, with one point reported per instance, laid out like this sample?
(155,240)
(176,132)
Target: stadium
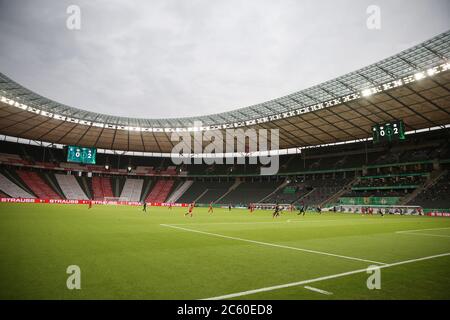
(362,184)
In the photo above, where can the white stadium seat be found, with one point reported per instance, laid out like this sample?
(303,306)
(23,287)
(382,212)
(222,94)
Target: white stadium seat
(70,187)
(132,189)
(11,189)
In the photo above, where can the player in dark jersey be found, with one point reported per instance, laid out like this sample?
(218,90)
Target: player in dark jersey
(276,212)
(380,211)
(144,207)
(302,210)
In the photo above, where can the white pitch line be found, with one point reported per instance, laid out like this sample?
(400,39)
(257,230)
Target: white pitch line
(328,220)
(318,290)
(273,222)
(284,222)
(273,244)
(429,229)
(417,232)
(424,234)
(303,282)
(251,222)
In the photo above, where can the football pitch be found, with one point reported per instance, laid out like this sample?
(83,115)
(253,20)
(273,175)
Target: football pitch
(124,253)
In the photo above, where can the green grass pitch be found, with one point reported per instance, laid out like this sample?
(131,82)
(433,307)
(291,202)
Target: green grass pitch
(124,253)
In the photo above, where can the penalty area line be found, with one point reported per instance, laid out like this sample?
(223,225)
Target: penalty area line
(318,290)
(423,234)
(333,276)
(272,244)
(429,229)
(249,222)
(417,232)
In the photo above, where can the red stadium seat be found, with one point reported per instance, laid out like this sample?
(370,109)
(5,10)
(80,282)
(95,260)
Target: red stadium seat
(101,188)
(160,191)
(40,188)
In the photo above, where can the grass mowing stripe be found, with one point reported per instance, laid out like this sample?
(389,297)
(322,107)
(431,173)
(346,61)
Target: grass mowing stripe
(124,253)
(273,244)
(299,283)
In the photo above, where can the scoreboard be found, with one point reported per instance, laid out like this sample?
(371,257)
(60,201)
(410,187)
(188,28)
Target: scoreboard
(81,155)
(387,132)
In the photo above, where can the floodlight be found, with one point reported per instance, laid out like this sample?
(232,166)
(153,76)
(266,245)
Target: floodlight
(419,75)
(366,92)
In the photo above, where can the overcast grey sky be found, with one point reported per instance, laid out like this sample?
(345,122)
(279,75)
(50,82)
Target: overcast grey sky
(167,58)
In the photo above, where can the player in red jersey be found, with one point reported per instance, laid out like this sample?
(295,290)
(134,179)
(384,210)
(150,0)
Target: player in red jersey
(210,209)
(170,206)
(90,204)
(191,207)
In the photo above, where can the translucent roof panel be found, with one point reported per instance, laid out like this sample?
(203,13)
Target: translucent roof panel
(422,56)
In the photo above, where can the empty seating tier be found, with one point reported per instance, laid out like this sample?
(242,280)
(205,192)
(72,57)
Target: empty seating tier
(101,188)
(70,187)
(248,192)
(132,189)
(38,185)
(160,191)
(11,189)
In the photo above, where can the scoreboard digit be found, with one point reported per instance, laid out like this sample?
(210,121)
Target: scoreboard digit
(387,132)
(81,154)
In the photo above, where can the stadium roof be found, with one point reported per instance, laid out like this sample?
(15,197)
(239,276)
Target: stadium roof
(412,85)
